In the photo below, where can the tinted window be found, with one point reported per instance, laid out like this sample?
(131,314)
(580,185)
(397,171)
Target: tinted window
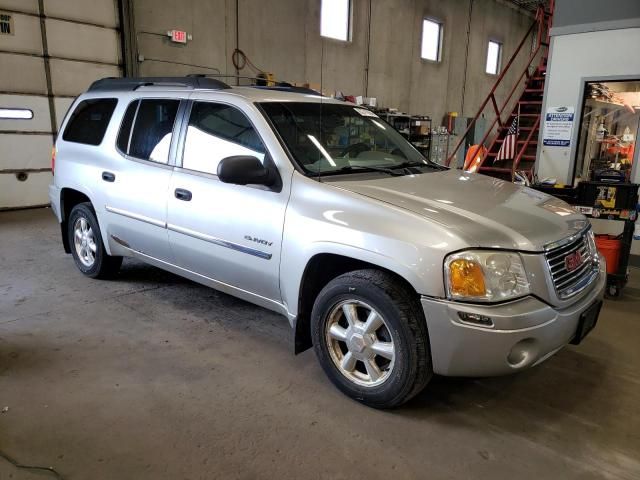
(217,131)
(125,128)
(89,121)
(152,131)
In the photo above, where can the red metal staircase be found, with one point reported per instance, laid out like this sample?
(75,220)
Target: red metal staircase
(523,103)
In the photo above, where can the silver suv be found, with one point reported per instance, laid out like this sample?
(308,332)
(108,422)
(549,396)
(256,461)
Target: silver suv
(393,268)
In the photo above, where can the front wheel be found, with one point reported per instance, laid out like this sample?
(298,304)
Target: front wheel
(370,336)
(86,244)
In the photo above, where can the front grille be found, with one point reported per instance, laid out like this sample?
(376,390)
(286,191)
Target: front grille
(568,283)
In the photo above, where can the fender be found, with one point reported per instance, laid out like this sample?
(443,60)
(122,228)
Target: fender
(291,283)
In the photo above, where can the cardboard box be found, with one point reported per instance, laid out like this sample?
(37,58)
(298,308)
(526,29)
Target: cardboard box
(420,128)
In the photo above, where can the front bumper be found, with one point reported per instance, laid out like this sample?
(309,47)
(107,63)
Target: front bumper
(525,332)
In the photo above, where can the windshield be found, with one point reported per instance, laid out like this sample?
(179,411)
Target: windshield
(333,138)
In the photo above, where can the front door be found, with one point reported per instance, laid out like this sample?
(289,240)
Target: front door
(230,233)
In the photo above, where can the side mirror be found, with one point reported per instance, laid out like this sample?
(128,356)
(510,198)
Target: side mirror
(244,170)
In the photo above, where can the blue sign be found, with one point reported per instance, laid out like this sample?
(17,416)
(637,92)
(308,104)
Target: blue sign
(558,127)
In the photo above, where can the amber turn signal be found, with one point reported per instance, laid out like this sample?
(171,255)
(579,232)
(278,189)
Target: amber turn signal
(466,278)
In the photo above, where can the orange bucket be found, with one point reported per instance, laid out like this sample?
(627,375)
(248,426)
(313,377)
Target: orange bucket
(609,246)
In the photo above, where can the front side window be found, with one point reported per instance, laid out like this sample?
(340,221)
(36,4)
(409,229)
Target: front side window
(89,121)
(335,19)
(150,138)
(326,138)
(217,131)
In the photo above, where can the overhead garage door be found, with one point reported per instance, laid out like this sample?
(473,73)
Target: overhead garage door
(50,51)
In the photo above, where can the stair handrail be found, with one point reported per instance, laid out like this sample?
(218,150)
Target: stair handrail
(518,158)
(538,21)
(501,110)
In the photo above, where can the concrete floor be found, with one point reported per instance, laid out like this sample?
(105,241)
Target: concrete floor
(152,376)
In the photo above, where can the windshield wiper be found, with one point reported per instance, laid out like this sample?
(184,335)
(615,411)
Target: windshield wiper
(351,168)
(428,163)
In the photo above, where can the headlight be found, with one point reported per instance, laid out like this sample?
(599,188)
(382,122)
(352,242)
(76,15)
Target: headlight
(485,276)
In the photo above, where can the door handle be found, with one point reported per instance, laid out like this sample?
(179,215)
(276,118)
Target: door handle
(108,177)
(182,194)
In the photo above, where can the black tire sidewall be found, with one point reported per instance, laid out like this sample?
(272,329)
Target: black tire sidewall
(85,211)
(400,382)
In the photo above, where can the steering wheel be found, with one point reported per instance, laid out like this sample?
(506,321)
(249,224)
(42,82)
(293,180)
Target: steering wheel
(356,149)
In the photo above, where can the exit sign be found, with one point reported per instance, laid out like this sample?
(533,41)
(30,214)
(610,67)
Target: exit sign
(178,36)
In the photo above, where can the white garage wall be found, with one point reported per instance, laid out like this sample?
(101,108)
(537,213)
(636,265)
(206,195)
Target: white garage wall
(83,44)
(601,54)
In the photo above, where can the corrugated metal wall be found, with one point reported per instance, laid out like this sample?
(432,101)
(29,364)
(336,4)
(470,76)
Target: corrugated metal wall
(55,50)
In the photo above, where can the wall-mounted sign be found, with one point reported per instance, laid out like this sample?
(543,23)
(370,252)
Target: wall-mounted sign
(179,36)
(558,126)
(6,24)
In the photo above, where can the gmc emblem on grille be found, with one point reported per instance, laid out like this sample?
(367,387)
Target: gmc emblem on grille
(573,261)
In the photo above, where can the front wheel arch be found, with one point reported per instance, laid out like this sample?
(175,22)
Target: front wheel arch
(319,271)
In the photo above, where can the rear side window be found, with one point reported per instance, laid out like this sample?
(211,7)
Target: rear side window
(152,129)
(89,121)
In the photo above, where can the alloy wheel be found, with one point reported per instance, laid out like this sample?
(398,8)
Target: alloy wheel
(360,343)
(84,242)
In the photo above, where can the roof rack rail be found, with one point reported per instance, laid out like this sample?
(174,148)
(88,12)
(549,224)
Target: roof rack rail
(260,82)
(288,88)
(133,83)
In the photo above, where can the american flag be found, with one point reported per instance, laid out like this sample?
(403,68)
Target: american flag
(508,149)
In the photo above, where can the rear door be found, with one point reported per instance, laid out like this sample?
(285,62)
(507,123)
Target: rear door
(136,185)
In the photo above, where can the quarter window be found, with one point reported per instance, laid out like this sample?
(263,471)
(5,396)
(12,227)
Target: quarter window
(125,129)
(217,131)
(89,121)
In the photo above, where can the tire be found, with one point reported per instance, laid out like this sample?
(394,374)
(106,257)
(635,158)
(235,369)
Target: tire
(88,252)
(393,360)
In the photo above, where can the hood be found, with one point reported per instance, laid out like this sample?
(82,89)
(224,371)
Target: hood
(484,211)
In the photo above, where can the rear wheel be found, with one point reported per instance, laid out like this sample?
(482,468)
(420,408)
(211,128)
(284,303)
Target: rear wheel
(370,336)
(86,244)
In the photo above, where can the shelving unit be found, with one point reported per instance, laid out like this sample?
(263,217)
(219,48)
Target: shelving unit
(606,112)
(415,128)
